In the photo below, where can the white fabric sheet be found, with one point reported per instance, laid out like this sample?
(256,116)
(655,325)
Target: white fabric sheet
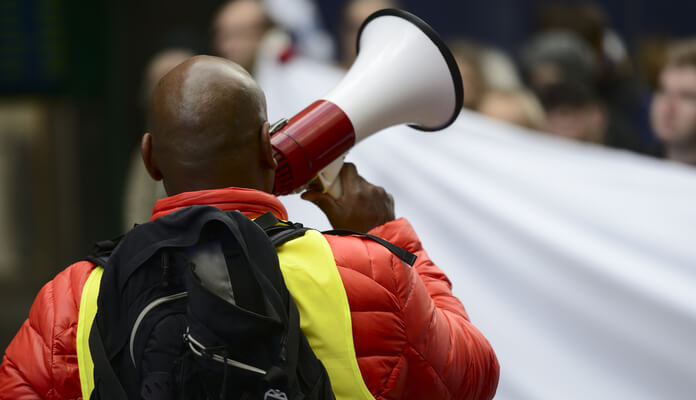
(577,262)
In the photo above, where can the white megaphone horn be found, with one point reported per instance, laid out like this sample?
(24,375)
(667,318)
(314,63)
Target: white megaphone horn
(404,74)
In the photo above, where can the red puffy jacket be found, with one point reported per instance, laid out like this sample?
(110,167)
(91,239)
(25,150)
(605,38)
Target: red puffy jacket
(412,337)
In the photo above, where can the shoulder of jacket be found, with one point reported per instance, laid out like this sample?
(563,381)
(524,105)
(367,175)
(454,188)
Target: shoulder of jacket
(58,301)
(69,282)
(364,263)
(400,232)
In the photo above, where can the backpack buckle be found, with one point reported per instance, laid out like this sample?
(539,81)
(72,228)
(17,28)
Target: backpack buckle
(274,394)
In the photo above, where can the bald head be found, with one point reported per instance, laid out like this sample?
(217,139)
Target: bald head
(209,129)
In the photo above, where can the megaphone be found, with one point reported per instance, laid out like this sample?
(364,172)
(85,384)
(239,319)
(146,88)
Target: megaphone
(404,74)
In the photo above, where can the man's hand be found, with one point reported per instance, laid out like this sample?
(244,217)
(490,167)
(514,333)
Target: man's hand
(362,206)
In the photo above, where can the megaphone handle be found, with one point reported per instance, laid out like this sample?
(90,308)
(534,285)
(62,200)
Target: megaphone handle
(330,178)
(336,189)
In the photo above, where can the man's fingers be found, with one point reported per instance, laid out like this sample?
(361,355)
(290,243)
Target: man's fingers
(323,200)
(311,195)
(349,175)
(349,167)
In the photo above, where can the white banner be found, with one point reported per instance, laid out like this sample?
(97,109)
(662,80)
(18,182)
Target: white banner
(577,262)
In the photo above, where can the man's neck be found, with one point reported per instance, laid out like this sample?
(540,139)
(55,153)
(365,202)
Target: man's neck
(191,183)
(684,153)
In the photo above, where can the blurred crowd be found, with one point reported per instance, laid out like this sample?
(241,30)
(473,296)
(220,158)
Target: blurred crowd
(574,77)
(67,183)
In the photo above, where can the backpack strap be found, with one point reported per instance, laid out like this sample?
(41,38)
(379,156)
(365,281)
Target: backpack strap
(402,254)
(102,366)
(293,339)
(280,232)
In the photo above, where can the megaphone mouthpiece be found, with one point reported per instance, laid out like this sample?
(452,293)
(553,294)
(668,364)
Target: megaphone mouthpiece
(310,141)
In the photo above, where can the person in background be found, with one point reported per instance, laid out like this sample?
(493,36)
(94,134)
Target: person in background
(558,56)
(468,58)
(498,69)
(354,13)
(517,106)
(575,112)
(650,53)
(141,192)
(673,109)
(614,79)
(239,28)
(577,43)
(302,19)
(563,70)
(484,69)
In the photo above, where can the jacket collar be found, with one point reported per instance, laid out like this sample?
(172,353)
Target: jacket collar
(249,202)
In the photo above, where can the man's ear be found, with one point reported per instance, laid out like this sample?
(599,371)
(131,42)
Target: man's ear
(266,149)
(148,159)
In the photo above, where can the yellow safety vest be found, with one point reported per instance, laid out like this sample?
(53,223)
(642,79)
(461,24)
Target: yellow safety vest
(313,280)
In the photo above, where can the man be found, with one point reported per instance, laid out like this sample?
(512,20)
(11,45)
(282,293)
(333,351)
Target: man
(210,145)
(673,109)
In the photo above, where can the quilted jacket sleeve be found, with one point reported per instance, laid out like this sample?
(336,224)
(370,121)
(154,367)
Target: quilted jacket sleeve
(470,368)
(41,360)
(443,344)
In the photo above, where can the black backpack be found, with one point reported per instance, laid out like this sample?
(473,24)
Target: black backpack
(193,306)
